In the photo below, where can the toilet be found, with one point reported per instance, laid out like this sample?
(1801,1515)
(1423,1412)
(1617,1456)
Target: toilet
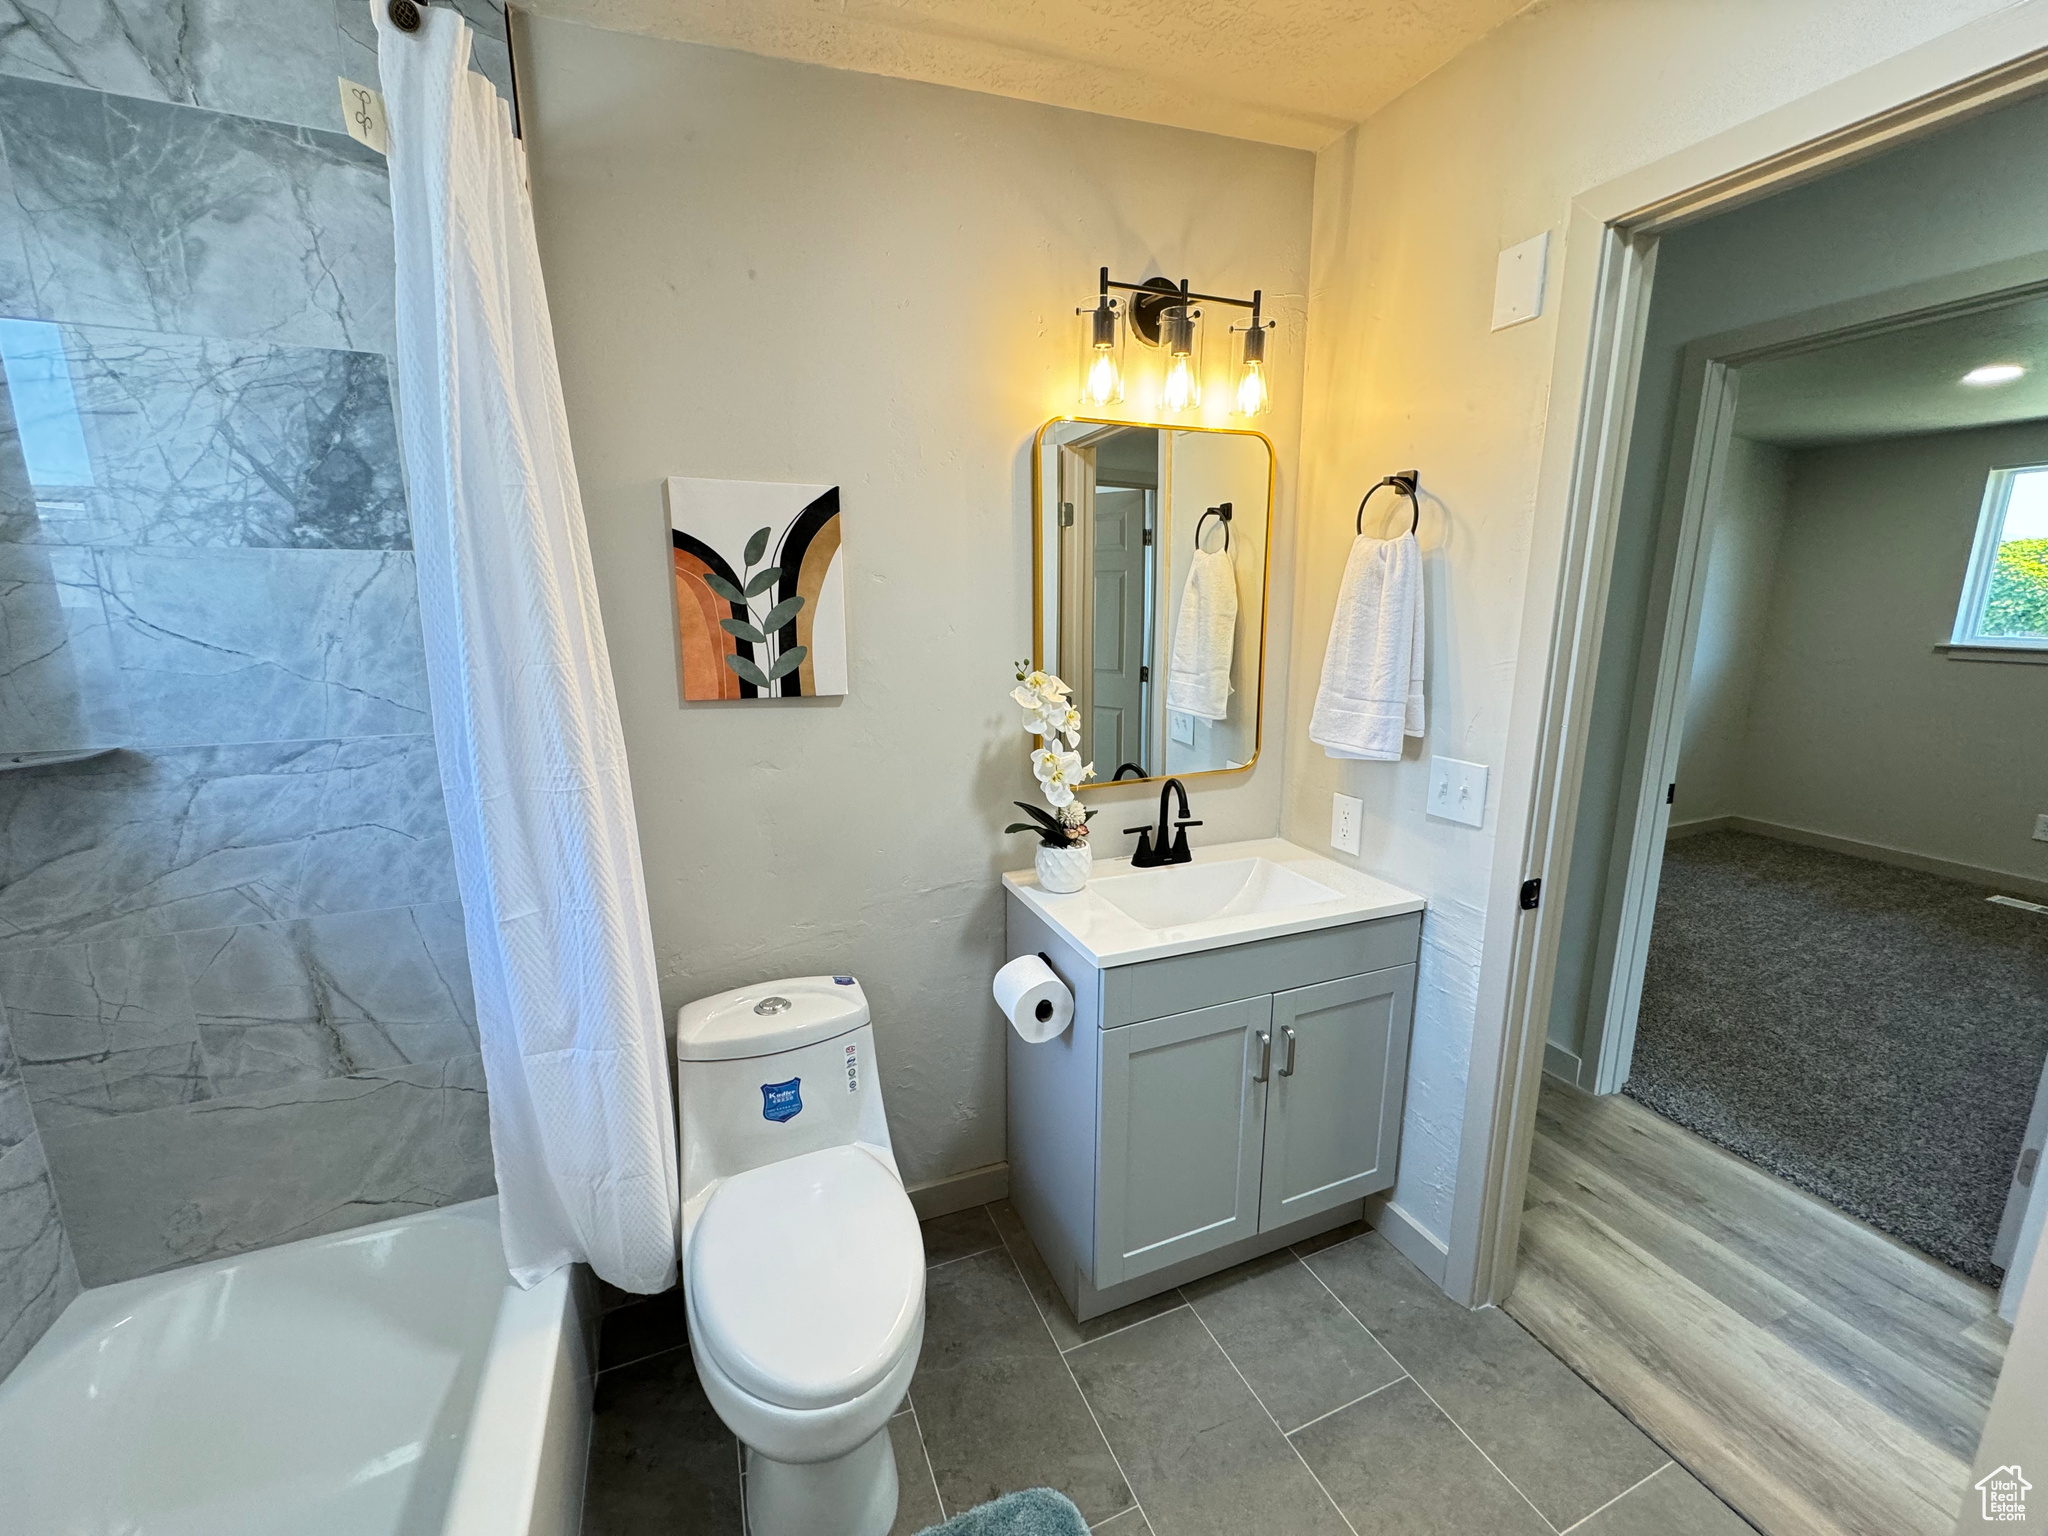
(803,1265)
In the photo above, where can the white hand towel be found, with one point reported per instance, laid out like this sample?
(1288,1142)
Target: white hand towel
(1371,693)
(1198,679)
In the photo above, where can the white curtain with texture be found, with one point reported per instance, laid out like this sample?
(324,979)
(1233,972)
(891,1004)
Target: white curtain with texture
(532,761)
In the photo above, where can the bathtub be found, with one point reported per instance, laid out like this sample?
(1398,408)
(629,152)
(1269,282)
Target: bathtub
(385,1381)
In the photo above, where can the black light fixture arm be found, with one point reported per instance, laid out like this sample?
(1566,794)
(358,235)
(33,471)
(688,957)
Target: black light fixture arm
(1166,288)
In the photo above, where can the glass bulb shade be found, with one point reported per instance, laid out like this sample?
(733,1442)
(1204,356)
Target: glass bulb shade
(1183,390)
(1180,335)
(1253,397)
(1100,379)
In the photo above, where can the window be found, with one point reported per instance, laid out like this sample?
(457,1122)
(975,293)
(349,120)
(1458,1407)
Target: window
(2005,600)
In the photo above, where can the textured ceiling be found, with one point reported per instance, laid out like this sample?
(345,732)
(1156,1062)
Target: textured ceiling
(1900,382)
(1295,72)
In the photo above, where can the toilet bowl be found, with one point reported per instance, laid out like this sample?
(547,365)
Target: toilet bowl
(803,1264)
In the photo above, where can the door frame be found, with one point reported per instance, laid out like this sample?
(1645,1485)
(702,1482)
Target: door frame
(1609,263)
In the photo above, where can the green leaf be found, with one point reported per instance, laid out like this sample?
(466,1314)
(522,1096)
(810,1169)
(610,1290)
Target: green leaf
(724,588)
(1023,826)
(788,661)
(1043,818)
(757,546)
(764,578)
(744,631)
(781,614)
(748,671)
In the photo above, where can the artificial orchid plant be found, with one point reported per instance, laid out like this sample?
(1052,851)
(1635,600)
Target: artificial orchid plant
(1049,716)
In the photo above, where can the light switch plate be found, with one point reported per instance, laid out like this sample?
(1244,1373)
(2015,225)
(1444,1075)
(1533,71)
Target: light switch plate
(1180,727)
(1344,813)
(1457,791)
(1518,281)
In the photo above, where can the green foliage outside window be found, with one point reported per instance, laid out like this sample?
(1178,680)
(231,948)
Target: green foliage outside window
(2018,601)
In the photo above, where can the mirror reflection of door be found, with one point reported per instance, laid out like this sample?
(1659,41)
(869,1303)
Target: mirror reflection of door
(1120,510)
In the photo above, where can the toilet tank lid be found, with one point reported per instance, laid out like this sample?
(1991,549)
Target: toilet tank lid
(773,1016)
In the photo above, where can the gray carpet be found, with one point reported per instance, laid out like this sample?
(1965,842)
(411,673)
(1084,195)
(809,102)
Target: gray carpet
(1872,1034)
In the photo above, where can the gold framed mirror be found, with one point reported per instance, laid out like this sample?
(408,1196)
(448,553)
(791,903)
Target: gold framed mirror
(1151,561)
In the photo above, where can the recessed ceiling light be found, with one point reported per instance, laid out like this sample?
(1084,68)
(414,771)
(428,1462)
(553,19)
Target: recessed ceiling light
(1994,373)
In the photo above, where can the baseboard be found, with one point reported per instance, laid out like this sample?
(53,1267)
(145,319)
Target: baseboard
(960,1191)
(1969,874)
(1418,1246)
(1559,1062)
(1684,829)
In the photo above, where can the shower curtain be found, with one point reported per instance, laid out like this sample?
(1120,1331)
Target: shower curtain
(533,766)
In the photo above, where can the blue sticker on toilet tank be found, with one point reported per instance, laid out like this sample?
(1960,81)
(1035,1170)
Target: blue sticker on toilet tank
(781,1101)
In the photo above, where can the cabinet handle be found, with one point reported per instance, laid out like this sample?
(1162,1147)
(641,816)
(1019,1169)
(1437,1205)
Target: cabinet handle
(1288,1070)
(1265,1057)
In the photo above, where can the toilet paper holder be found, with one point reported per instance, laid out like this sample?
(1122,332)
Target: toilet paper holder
(1044,1008)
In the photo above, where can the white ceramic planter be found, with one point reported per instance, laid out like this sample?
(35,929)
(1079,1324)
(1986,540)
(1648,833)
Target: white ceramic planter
(1062,871)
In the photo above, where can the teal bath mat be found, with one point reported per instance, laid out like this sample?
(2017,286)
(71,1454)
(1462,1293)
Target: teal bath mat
(1034,1512)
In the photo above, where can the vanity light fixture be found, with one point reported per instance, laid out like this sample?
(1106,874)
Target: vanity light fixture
(1994,373)
(1168,315)
(1102,349)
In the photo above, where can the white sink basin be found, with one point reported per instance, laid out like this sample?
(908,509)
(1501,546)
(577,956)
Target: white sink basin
(1180,894)
(1234,893)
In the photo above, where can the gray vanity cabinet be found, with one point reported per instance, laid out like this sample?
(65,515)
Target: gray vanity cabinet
(1206,1108)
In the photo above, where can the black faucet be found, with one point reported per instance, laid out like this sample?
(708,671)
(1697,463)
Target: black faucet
(1153,849)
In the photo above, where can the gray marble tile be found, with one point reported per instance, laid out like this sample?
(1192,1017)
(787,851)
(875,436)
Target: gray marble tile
(947,1238)
(1301,1352)
(176,1186)
(279,1004)
(102,1029)
(17,292)
(16,1123)
(131,844)
(997,1405)
(1131,1522)
(1394,1463)
(274,59)
(58,684)
(1557,1439)
(238,645)
(215,443)
(917,1500)
(1201,1453)
(489,55)
(37,1275)
(1672,1503)
(383,837)
(136,213)
(1059,1317)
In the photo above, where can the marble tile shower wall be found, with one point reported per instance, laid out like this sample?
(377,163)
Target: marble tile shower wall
(236,999)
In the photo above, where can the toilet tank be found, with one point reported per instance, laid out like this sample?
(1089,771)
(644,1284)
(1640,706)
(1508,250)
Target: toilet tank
(773,1071)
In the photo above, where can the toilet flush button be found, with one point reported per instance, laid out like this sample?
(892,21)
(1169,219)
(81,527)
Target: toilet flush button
(772,1005)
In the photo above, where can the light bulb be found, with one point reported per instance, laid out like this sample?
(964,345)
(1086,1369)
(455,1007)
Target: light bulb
(1994,373)
(1251,390)
(1180,384)
(1102,378)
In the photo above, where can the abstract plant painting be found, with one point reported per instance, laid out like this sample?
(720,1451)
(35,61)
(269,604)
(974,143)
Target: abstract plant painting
(760,588)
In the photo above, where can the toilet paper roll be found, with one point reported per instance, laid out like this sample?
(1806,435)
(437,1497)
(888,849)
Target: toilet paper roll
(1034,1000)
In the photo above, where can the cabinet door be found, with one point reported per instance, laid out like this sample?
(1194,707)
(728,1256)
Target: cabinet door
(1333,1115)
(1182,1124)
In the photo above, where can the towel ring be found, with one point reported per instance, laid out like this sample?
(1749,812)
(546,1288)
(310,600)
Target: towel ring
(1406,482)
(1222,514)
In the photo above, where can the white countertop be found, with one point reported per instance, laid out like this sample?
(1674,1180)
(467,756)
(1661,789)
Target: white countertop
(1110,937)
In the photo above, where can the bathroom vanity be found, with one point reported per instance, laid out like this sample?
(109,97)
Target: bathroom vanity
(1232,1081)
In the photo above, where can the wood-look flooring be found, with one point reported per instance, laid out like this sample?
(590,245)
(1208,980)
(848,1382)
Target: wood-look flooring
(1822,1378)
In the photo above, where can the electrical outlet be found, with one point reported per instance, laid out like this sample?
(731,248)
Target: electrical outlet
(1344,813)
(2041,828)
(1180,727)
(1457,791)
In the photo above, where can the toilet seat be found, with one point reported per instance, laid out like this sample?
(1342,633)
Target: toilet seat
(806,1277)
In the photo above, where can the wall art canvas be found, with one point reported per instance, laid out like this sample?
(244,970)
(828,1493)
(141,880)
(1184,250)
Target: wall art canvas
(760,588)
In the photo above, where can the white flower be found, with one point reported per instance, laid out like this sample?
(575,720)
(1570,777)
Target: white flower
(1044,686)
(1067,721)
(1058,772)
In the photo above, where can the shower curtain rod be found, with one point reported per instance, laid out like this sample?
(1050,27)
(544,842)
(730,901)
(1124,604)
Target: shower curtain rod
(405,15)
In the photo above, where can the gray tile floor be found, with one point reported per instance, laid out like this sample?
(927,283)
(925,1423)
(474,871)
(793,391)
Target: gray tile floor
(1324,1390)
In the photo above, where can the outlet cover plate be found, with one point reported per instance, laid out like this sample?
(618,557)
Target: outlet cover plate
(1457,790)
(1345,811)
(1180,727)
